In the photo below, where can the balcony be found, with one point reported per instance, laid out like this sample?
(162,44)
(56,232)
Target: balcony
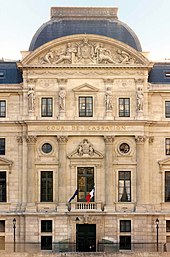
(92,206)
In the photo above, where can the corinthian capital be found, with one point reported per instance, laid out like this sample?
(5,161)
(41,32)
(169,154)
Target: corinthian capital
(140,139)
(62,139)
(109,139)
(31,139)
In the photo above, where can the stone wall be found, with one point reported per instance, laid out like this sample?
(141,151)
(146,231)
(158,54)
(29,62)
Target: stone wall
(127,254)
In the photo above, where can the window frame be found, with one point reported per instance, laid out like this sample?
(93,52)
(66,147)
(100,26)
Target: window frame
(167,109)
(121,243)
(87,188)
(46,108)
(3,146)
(124,113)
(125,226)
(47,243)
(48,198)
(91,103)
(47,227)
(3,187)
(167,195)
(124,186)
(2,112)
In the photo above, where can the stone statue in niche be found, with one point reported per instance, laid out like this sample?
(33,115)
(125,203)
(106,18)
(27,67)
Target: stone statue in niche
(62,98)
(85,148)
(139,98)
(109,99)
(31,98)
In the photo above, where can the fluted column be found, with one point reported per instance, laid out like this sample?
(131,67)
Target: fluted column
(140,173)
(108,170)
(31,140)
(62,183)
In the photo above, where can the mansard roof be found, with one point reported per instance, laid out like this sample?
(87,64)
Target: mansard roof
(67,21)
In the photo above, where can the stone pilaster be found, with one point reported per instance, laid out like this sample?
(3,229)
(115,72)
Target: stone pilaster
(109,171)
(31,140)
(62,141)
(140,172)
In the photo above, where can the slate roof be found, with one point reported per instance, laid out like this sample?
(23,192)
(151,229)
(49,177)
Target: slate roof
(54,29)
(9,73)
(160,73)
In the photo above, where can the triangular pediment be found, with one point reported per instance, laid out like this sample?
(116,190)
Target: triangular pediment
(85,50)
(85,150)
(164,162)
(85,88)
(5,162)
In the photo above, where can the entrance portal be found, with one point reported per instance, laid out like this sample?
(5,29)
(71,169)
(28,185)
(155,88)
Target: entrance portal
(86,237)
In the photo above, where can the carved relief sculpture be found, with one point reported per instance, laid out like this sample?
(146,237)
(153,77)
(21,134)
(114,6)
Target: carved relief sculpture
(85,148)
(139,98)
(109,99)
(86,52)
(31,99)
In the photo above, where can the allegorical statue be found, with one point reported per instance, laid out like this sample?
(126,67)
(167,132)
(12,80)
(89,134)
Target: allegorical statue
(109,99)
(62,97)
(31,98)
(139,98)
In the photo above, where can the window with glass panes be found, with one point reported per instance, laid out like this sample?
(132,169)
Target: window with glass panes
(46,107)
(167,109)
(46,225)
(124,107)
(46,186)
(125,225)
(125,243)
(167,225)
(124,193)
(46,242)
(85,182)
(85,106)
(2,186)
(2,146)
(2,108)
(167,186)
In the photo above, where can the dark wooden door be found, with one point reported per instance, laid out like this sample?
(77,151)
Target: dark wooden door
(86,237)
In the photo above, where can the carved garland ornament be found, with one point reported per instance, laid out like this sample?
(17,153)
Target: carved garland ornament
(86,52)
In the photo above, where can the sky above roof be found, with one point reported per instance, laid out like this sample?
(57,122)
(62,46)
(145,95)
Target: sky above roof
(20,19)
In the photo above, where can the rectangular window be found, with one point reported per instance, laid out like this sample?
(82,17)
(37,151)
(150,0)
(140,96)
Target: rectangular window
(2,186)
(2,242)
(85,106)
(124,107)
(167,225)
(46,225)
(46,242)
(167,146)
(2,146)
(125,225)
(167,186)
(124,186)
(125,243)
(2,226)
(46,186)
(46,107)
(2,108)
(85,183)
(167,109)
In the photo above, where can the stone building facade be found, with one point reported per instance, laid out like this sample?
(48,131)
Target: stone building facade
(84,109)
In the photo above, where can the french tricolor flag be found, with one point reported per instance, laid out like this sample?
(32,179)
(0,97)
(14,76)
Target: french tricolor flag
(90,195)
